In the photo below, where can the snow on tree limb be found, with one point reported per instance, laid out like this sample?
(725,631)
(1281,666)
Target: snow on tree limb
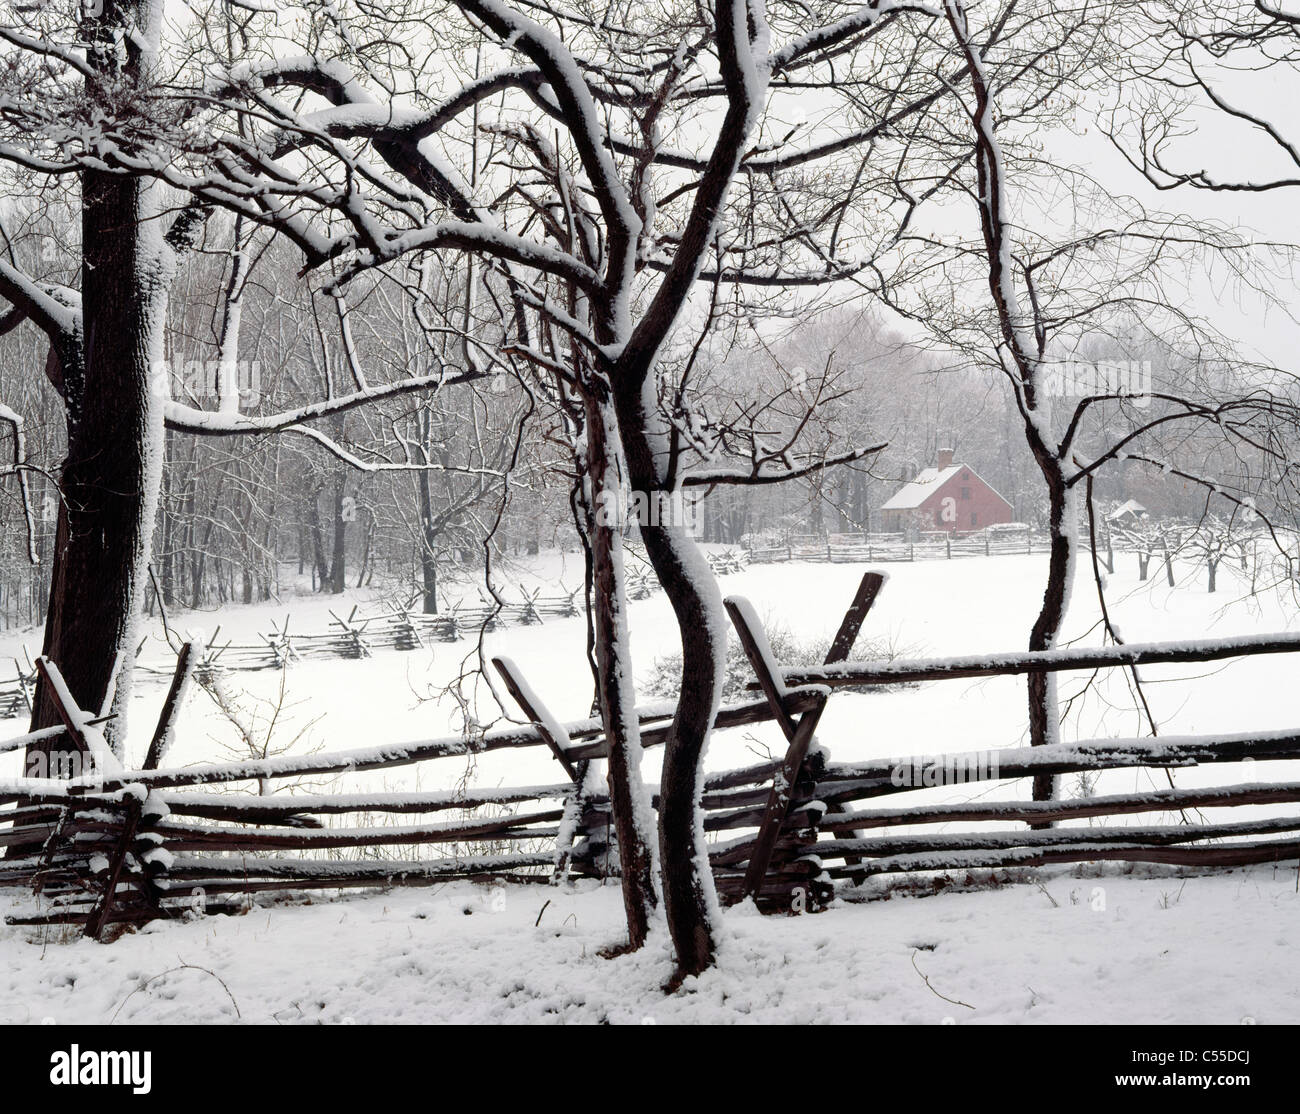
(189,419)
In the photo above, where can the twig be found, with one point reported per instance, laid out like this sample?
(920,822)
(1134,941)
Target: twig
(170,971)
(926,979)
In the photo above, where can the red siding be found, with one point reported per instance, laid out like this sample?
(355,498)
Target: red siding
(970,497)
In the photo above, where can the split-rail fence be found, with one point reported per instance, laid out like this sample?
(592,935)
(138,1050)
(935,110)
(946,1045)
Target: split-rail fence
(116,846)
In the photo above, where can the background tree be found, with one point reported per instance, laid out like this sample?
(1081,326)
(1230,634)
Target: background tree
(1071,269)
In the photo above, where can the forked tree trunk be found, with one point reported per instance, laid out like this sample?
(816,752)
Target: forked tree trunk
(690,901)
(633,822)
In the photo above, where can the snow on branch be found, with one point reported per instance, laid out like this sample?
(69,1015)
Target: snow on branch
(189,419)
(52,310)
(582,118)
(833,34)
(767,470)
(373,466)
(479,237)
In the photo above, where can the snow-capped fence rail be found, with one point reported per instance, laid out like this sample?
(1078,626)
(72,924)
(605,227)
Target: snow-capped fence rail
(353,636)
(121,846)
(868,548)
(1186,843)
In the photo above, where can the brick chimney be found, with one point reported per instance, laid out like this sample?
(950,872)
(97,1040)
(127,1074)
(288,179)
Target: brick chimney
(945,459)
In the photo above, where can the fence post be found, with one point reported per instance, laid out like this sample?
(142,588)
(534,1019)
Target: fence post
(850,626)
(798,733)
(555,736)
(842,644)
(186,660)
(103,907)
(106,762)
(75,721)
(780,798)
(550,729)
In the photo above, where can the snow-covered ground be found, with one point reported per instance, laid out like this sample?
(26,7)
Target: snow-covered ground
(1105,949)
(1090,946)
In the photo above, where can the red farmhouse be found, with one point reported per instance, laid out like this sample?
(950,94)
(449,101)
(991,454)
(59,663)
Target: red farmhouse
(950,497)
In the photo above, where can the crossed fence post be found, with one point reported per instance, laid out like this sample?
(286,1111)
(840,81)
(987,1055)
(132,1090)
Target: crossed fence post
(798,732)
(137,809)
(557,738)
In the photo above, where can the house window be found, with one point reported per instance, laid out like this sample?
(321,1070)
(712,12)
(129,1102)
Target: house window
(965,475)
(974,518)
(965,492)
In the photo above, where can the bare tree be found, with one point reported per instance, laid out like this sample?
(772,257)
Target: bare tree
(107,337)
(1066,266)
(605,171)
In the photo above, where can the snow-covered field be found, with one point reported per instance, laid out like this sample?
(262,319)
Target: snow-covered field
(1161,951)
(1113,945)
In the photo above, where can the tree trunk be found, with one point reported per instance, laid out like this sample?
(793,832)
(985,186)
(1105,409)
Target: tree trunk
(168,527)
(690,902)
(630,806)
(339,555)
(320,571)
(1043,723)
(428,543)
(367,542)
(112,473)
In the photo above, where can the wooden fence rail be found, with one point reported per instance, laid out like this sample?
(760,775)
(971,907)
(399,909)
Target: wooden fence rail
(888,548)
(349,637)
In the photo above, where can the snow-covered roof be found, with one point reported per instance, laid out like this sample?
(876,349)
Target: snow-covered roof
(913,494)
(1132,506)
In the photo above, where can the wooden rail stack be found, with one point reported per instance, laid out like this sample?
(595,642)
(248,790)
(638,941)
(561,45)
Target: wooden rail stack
(115,845)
